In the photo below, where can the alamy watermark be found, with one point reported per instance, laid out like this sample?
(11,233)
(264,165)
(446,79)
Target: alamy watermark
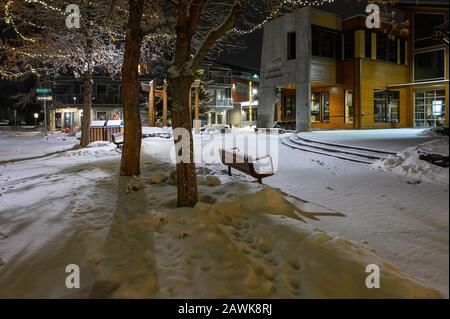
(74,17)
(373,279)
(73,279)
(373,16)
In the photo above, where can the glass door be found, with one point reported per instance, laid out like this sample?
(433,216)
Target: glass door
(320,107)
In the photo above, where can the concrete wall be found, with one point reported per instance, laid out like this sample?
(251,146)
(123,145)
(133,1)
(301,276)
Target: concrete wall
(277,71)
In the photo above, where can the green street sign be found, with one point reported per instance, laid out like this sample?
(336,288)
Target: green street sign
(43,91)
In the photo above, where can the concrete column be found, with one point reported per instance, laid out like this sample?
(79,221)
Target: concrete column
(303,107)
(266,104)
(303,71)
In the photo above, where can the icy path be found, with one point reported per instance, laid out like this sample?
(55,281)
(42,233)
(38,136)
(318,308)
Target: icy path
(405,222)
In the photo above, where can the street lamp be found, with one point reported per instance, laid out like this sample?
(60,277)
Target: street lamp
(36,116)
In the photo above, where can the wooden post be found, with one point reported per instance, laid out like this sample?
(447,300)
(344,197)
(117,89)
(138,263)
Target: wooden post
(164,120)
(52,121)
(190,103)
(278,106)
(151,105)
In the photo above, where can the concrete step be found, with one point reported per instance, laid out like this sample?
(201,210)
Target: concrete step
(348,157)
(336,148)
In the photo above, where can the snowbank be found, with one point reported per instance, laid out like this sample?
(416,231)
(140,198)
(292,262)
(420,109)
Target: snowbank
(252,246)
(94,149)
(408,163)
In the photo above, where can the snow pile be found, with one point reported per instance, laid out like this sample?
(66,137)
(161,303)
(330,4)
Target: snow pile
(95,149)
(253,246)
(408,163)
(434,132)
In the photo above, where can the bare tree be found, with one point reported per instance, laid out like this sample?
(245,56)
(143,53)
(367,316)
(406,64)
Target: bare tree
(44,45)
(203,26)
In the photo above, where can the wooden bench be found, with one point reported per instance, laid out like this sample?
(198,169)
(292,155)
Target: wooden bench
(117,138)
(244,163)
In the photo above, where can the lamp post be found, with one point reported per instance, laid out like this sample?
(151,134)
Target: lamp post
(36,116)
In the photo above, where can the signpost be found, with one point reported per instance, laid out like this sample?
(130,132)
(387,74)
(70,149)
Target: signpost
(43,96)
(43,91)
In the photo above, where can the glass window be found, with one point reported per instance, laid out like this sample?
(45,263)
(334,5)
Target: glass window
(101,88)
(326,43)
(338,46)
(315,107)
(325,106)
(392,51)
(101,116)
(382,47)
(386,106)
(402,51)
(320,107)
(291,45)
(289,106)
(429,108)
(349,108)
(368,45)
(424,25)
(349,43)
(429,65)
(315,39)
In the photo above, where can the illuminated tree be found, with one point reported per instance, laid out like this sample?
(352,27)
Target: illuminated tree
(43,44)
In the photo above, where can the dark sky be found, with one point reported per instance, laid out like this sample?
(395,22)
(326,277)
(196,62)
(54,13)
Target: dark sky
(251,55)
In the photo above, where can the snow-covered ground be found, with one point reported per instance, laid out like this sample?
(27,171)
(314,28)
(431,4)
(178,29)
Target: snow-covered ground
(27,144)
(242,240)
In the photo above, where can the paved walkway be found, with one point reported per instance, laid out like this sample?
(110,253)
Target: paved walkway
(385,139)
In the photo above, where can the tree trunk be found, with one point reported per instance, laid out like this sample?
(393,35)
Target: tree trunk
(130,162)
(179,89)
(87,106)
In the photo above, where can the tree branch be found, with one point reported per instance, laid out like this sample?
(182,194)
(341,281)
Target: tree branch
(217,32)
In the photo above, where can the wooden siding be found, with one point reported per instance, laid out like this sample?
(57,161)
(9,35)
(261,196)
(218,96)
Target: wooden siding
(377,75)
(323,70)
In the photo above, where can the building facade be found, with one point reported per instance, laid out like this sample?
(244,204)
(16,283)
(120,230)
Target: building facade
(322,71)
(68,101)
(228,99)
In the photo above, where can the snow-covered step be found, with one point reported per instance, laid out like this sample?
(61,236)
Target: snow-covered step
(347,157)
(351,147)
(359,152)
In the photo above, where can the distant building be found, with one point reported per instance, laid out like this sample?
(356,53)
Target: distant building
(245,97)
(228,103)
(321,71)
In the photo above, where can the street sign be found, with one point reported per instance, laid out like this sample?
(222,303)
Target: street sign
(45,98)
(44,91)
